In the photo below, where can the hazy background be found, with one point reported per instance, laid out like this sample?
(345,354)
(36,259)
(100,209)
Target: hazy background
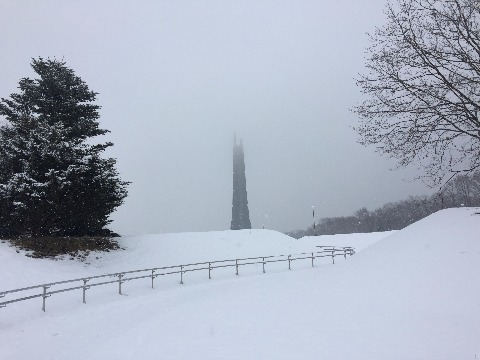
(175,80)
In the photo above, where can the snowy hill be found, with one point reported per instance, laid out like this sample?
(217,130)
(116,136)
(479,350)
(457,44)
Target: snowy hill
(411,294)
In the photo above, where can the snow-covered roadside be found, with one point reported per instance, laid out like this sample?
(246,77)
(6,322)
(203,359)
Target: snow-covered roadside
(412,295)
(146,251)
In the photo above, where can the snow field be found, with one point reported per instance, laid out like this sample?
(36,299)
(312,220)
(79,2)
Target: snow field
(411,294)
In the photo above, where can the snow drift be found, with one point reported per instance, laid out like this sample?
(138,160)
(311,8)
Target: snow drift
(411,294)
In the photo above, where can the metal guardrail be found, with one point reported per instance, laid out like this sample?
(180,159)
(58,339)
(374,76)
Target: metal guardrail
(330,248)
(86,283)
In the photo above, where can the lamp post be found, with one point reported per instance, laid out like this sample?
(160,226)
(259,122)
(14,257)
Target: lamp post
(314,225)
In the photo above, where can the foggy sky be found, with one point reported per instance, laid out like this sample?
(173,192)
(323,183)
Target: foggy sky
(177,78)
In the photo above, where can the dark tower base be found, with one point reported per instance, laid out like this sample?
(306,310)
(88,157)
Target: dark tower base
(240,213)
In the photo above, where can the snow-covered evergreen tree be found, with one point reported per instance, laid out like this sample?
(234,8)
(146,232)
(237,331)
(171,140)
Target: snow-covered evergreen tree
(52,181)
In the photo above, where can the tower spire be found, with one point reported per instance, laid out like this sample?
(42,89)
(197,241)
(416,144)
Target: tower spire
(240,213)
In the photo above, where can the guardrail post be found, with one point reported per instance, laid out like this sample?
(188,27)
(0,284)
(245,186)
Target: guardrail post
(333,256)
(312,259)
(153,276)
(44,296)
(263,265)
(289,268)
(345,252)
(236,266)
(181,275)
(209,270)
(1,296)
(85,288)
(120,283)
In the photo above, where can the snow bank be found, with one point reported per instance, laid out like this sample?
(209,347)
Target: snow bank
(413,295)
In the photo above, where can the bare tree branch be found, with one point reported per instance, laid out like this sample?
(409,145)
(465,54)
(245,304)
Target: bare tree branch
(423,86)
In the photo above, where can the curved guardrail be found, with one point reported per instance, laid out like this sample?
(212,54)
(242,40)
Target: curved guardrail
(86,283)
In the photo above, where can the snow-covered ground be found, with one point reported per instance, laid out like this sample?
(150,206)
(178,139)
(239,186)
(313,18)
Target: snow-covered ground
(411,294)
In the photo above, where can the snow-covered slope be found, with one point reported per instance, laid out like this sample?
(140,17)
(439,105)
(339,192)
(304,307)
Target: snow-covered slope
(147,251)
(413,295)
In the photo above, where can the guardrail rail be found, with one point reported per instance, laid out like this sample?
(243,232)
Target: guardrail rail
(88,282)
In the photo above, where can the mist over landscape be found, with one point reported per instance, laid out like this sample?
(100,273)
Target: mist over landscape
(176,80)
(221,179)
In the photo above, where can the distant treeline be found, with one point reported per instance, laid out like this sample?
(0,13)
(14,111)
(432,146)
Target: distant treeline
(462,190)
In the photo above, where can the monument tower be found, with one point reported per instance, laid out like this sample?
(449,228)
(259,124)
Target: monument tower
(240,214)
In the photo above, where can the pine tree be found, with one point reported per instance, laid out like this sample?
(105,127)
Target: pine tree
(53,181)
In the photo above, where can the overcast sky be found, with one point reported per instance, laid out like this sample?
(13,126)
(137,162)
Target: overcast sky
(177,78)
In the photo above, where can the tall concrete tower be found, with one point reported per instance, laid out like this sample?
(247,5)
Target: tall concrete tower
(240,214)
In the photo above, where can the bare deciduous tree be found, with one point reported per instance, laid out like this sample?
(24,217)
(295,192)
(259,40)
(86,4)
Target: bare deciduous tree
(423,86)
